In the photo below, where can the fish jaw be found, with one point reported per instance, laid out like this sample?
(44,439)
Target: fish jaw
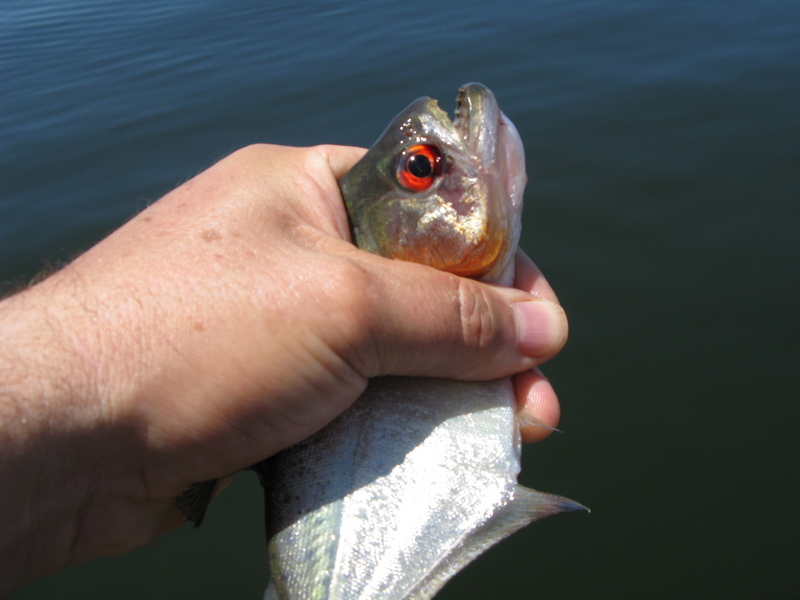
(491,136)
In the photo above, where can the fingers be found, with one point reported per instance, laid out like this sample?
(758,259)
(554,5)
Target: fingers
(419,321)
(542,328)
(529,278)
(536,399)
(434,324)
(539,410)
(341,158)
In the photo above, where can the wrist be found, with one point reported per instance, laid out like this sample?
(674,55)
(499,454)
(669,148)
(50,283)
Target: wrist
(48,427)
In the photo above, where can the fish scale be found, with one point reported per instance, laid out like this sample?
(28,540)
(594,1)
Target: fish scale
(389,515)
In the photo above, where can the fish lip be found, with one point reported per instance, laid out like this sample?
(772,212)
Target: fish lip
(490,135)
(477,118)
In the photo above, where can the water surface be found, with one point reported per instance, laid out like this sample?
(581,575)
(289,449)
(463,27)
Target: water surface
(663,148)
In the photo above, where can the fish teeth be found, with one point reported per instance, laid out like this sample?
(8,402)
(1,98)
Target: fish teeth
(461,122)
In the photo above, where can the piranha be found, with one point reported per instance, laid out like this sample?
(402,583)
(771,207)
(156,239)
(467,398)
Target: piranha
(419,476)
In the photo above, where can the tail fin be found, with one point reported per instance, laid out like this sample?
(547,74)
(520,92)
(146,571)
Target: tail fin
(526,506)
(535,505)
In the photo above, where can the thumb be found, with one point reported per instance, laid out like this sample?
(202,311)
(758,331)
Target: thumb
(426,322)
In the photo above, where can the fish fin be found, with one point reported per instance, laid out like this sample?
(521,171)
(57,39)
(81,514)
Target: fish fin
(526,419)
(194,501)
(534,505)
(526,506)
(263,469)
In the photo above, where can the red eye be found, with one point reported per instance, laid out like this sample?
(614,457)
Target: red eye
(419,167)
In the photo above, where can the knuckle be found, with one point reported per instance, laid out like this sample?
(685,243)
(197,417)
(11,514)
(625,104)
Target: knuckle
(349,301)
(479,323)
(354,287)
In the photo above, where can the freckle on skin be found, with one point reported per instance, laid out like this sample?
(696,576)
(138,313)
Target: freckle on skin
(199,326)
(210,235)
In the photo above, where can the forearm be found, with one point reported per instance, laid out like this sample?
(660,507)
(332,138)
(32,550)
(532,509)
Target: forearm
(38,410)
(52,432)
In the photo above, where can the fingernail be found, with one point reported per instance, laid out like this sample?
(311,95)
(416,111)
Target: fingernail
(542,327)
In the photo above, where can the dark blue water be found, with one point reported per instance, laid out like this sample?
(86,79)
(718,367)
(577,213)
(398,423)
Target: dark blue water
(663,147)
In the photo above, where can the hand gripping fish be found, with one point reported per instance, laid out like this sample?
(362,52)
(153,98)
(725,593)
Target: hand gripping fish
(418,477)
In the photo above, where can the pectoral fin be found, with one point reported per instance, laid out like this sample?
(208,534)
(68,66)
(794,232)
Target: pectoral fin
(194,501)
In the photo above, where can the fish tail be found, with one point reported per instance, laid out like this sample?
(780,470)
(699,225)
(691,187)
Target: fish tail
(271,593)
(525,506)
(532,505)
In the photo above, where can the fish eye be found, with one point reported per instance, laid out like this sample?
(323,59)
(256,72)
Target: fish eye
(419,166)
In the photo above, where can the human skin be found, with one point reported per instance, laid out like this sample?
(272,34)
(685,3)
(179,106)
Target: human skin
(227,321)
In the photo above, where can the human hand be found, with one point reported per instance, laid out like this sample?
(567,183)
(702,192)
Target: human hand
(229,320)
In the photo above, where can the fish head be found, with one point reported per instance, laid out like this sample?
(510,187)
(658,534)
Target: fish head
(441,192)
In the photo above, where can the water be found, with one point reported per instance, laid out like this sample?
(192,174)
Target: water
(663,145)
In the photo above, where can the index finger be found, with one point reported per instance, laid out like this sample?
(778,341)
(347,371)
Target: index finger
(528,278)
(341,158)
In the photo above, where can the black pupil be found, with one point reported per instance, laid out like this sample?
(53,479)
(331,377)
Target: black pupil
(420,166)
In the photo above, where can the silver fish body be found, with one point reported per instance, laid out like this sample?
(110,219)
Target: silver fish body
(399,493)
(418,477)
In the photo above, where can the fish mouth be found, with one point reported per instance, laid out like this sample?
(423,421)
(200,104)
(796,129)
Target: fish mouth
(492,137)
(476,116)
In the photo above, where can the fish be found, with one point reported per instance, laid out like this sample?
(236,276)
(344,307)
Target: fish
(419,476)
